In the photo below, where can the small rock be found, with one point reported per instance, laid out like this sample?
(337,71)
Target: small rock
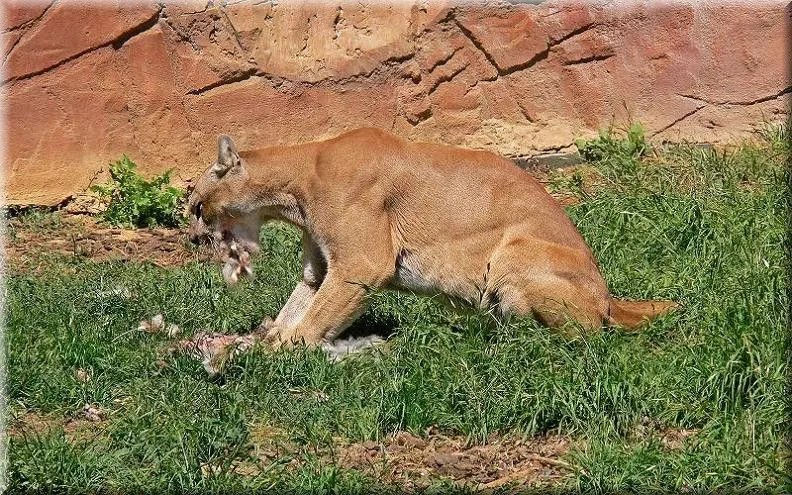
(127,235)
(92,413)
(82,375)
(208,470)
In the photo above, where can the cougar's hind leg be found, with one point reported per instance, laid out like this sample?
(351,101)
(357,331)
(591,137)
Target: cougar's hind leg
(554,284)
(555,302)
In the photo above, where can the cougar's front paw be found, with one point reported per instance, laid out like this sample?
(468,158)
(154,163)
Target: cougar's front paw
(278,337)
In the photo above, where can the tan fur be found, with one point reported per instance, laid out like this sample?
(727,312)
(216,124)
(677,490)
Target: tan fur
(380,212)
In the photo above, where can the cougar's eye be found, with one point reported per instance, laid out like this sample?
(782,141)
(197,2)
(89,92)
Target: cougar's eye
(198,209)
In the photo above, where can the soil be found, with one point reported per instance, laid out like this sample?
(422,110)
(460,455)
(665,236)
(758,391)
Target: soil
(508,463)
(81,236)
(409,461)
(415,462)
(75,427)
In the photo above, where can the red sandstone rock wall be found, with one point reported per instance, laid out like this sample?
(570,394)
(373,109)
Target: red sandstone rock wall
(84,84)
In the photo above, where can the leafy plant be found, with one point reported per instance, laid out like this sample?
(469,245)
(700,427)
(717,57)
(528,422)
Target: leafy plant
(611,144)
(133,201)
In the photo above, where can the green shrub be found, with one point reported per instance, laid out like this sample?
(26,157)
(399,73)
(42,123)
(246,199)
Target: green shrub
(610,144)
(133,201)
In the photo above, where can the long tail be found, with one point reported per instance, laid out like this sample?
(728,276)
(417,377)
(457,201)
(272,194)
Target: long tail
(635,314)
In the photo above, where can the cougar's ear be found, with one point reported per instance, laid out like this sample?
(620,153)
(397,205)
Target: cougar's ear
(227,156)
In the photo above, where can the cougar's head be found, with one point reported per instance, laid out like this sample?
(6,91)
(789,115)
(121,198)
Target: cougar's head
(223,211)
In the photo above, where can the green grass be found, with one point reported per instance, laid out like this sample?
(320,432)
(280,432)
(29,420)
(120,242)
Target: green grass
(705,228)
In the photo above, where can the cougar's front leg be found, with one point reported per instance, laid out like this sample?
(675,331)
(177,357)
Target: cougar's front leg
(337,303)
(342,296)
(314,270)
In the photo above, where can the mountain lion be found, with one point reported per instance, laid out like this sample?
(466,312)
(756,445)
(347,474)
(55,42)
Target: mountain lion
(377,211)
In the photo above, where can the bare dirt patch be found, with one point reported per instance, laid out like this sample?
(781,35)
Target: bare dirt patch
(81,236)
(76,427)
(410,460)
(415,462)
(670,438)
(675,438)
